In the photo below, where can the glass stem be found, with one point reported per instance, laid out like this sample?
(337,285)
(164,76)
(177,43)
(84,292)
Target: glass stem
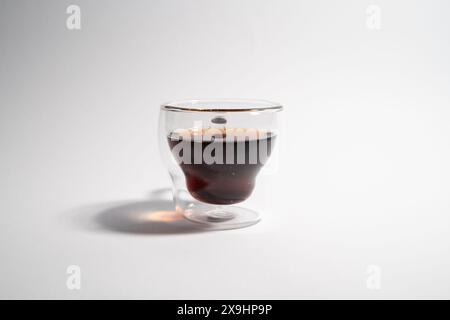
(220,214)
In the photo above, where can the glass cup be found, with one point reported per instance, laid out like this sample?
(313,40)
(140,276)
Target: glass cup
(214,150)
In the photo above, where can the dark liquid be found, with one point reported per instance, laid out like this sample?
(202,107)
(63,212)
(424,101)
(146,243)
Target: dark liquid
(223,183)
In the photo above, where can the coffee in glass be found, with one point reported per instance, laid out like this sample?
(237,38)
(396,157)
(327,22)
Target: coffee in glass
(215,150)
(237,156)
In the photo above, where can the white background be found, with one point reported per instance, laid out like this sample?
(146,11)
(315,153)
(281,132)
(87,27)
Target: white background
(364,178)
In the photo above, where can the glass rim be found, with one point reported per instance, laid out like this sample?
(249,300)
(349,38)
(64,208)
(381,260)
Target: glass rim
(226,105)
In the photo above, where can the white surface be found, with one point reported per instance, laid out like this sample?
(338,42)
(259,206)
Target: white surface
(364,179)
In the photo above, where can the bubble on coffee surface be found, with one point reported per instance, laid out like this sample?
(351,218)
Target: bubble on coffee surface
(219,120)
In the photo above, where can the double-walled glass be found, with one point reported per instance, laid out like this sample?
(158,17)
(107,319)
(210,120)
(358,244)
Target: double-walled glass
(214,151)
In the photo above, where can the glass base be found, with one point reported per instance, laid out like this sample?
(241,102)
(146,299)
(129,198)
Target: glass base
(222,218)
